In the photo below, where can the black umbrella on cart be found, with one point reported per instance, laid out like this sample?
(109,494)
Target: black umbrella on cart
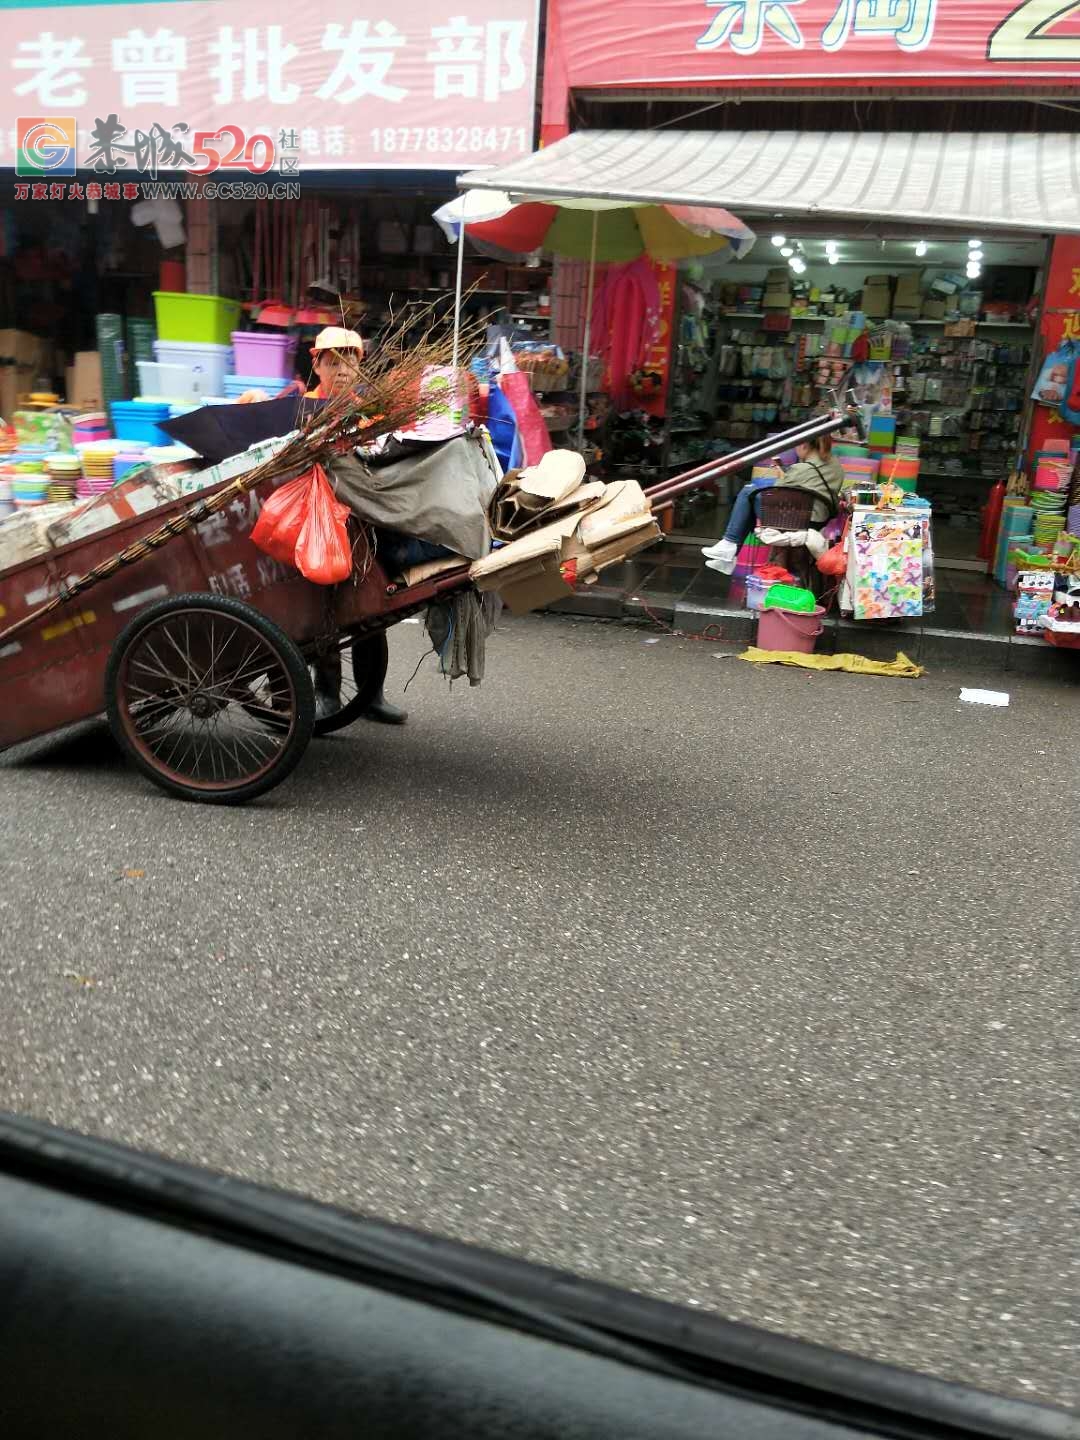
(217,432)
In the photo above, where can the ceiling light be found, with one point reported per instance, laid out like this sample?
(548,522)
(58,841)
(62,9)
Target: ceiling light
(976,255)
(787,252)
(974,270)
(921,248)
(798,265)
(779,240)
(830,247)
(834,259)
(974,244)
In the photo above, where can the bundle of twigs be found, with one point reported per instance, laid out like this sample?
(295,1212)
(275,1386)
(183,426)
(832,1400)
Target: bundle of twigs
(391,397)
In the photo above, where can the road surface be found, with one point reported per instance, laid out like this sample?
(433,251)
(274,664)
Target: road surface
(748,988)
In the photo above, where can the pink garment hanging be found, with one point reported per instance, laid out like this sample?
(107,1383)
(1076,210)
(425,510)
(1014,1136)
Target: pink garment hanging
(625,322)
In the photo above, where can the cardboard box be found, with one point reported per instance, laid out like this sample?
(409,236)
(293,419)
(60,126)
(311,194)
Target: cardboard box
(9,393)
(25,359)
(908,292)
(544,565)
(933,309)
(877,297)
(86,389)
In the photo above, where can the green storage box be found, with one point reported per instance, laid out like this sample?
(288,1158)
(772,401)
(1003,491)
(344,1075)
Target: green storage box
(199,319)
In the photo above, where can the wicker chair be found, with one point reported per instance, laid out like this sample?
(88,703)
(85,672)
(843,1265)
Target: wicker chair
(781,507)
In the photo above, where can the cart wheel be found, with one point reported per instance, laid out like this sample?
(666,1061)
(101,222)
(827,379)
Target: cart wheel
(209,698)
(363,670)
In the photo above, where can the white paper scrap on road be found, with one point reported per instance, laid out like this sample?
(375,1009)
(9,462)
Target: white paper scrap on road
(985,697)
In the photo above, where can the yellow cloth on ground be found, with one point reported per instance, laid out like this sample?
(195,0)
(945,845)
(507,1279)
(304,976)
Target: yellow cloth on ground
(855,664)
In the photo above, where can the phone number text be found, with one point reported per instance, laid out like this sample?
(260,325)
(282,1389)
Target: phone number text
(448,139)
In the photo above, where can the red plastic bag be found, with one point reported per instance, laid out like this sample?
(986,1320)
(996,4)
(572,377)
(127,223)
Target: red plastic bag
(281,519)
(323,553)
(834,561)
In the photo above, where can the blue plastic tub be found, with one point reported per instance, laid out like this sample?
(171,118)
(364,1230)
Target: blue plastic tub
(236,385)
(139,420)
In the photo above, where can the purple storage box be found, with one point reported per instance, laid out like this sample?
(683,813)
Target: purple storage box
(268,355)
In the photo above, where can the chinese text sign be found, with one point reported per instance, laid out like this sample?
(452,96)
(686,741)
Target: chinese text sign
(598,43)
(362,82)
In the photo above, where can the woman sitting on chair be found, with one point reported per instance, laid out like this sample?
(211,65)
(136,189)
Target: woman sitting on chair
(816,470)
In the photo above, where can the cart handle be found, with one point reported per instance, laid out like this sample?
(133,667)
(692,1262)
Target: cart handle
(760,449)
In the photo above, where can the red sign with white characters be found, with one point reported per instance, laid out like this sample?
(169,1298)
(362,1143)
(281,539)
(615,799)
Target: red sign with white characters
(359,83)
(596,44)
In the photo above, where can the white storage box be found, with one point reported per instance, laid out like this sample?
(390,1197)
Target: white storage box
(209,364)
(169,382)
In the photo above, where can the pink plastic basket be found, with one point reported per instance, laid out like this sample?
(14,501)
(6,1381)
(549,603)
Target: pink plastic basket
(269,355)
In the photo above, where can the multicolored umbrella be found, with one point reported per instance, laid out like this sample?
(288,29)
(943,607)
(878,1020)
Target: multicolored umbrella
(623,232)
(589,229)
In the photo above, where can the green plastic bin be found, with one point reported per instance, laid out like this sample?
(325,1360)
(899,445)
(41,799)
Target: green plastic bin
(200,319)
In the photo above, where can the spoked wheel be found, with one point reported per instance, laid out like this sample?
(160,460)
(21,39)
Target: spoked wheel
(209,698)
(347,679)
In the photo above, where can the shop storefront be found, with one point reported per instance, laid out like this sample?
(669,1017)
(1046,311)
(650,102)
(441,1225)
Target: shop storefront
(336,134)
(909,169)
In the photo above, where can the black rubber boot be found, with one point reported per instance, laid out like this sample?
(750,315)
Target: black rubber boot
(381,711)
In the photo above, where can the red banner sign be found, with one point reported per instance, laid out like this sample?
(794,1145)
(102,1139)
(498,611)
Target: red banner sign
(919,43)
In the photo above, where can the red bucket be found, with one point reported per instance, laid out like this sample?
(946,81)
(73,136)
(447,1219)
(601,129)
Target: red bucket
(796,630)
(172,275)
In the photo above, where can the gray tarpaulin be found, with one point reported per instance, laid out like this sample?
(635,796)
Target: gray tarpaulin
(438,493)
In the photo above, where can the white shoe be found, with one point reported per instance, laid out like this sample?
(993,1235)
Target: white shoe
(722,550)
(722,567)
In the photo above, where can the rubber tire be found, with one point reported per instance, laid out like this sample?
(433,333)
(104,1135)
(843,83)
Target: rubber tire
(287,654)
(370,655)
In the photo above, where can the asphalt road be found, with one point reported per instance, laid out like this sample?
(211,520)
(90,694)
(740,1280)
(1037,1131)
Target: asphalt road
(748,988)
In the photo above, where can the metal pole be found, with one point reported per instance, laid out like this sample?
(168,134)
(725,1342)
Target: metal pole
(588,333)
(724,464)
(691,479)
(457,288)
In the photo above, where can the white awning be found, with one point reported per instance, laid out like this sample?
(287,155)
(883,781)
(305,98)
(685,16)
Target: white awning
(979,182)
